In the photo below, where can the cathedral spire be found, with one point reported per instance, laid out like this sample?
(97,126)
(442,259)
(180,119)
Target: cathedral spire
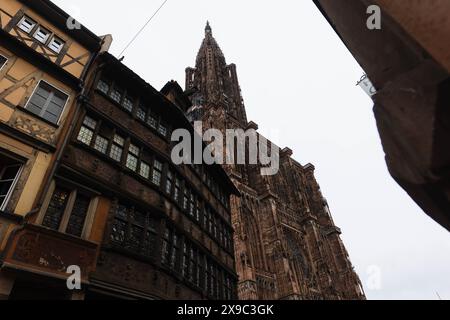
(216,82)
(208,29)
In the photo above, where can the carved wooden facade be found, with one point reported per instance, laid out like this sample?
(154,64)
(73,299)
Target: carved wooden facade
(155,241)
(286,244)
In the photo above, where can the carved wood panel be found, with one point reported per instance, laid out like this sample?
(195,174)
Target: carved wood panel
(37,249)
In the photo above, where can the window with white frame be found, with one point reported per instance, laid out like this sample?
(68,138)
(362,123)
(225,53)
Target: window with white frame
(56,44)
(10,170)
(26,24)
(42,35)
(47,102)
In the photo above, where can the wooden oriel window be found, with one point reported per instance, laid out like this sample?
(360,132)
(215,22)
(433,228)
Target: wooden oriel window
(68,210)
(130,102)
(183,257)
(134,230)
(97,135)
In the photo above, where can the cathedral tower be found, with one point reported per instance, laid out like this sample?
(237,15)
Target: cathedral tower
(286,243)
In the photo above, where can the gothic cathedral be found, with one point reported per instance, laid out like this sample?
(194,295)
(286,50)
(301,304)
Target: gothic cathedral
(286,243)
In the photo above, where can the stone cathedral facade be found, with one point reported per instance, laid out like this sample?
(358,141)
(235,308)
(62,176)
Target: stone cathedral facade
(286,243)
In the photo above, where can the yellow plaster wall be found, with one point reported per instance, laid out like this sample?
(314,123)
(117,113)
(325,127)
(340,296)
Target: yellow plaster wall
(11,6)
(33,184)
(15,146)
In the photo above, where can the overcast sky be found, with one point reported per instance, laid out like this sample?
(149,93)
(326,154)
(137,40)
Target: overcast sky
(298,83)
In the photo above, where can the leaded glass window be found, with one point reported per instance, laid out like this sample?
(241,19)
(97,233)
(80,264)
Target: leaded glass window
(78,215)
(67,216)
(87,130)
(56,208)
(144,170)
(117,148)
(157,172)
(101,144)
(128,103)
(169,182)
(103,86)
(141,113)
(116,95)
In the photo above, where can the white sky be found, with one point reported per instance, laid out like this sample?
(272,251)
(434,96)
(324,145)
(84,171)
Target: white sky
(298,83)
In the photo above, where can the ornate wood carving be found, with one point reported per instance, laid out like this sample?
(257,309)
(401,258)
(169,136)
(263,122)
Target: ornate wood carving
(39,249)
(33,127)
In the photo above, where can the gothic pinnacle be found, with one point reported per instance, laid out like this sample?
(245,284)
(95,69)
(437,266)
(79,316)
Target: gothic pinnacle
(208,29)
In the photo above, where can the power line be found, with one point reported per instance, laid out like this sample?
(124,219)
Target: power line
(142,29)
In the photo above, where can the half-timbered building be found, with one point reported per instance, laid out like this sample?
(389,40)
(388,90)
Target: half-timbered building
(43,64)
